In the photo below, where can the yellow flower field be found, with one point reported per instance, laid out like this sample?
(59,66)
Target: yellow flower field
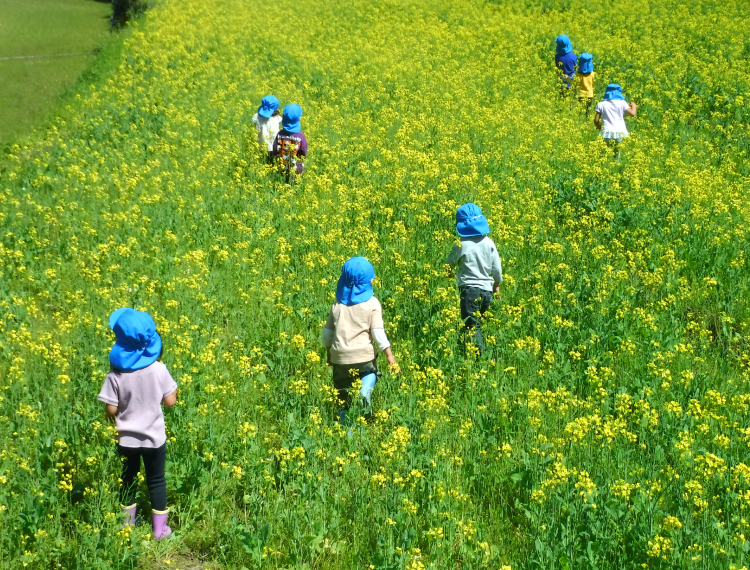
(609,427)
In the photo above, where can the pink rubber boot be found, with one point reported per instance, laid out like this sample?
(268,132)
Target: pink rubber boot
(161,529)
(129,513)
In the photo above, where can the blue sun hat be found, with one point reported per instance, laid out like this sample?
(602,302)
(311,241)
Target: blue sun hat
(354,285)
(290,120)
(267,106)
(614,93)
(471,222)
(585,63)
(563,45)
(137,343)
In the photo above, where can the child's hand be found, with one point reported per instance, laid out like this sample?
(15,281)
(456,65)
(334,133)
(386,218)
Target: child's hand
(393,366)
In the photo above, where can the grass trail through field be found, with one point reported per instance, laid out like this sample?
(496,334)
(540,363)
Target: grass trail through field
(44,46)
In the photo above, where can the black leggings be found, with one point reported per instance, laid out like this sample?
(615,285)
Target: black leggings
(153,461)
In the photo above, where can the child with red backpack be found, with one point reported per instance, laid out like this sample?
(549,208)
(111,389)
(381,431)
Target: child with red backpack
(290,144)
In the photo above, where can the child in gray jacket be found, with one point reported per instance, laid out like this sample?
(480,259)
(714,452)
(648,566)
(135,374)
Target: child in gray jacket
(479,270)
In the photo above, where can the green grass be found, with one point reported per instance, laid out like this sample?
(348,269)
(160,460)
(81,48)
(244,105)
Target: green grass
(30,88)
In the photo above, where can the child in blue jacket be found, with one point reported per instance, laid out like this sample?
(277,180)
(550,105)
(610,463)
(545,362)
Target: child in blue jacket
(565,61)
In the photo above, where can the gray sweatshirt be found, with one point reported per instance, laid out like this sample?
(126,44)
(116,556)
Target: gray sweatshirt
(478,262)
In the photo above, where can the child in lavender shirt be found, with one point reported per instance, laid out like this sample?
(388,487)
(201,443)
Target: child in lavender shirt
(133,392)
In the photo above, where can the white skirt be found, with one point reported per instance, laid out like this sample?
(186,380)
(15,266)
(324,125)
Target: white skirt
(613,135)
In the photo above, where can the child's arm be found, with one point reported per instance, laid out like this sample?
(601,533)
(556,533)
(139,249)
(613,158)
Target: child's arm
(326,337)
(302,148)
(497,272)
(454,255)
(110,411)
(392,364)
(168,388)
(632,110)
(384,345)
(453,258)
(598,120)
(170,400)
(377,333)
(109,396)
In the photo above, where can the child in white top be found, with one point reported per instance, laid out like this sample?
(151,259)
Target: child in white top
(267,122)
(610,114)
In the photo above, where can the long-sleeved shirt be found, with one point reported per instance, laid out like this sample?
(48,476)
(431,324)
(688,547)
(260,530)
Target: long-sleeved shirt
(567,65)
(350,330)
(267,130)
(478,262)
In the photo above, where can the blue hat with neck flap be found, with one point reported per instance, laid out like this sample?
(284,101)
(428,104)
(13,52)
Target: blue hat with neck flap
(614,93)
(354,285)
(267,106)
(585,63)
(290,120)
(563,45)
(137,343)
(471,222)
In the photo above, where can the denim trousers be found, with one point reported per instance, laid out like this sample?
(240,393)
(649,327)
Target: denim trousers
(474,303)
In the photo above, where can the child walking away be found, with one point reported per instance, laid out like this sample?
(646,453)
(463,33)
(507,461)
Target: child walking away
(291,144)
(354,322)
(267,122)
(479,270)
(565,61)
(610,116)
(585,81)
(133,392)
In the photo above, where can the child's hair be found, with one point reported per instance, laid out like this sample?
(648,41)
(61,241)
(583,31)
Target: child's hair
(276,113)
